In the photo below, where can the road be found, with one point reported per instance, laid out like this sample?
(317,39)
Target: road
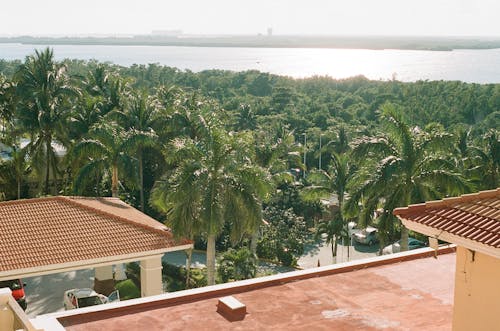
(44,294)
(321,252)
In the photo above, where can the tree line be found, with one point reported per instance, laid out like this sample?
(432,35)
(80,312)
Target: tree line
(216,152)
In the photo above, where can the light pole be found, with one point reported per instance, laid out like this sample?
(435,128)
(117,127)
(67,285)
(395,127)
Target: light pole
(305,149)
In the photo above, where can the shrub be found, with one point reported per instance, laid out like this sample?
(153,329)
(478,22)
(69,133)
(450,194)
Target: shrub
(236,265)
(128,290)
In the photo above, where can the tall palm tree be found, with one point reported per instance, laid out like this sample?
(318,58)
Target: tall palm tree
(104,153)
(214,182)
(140,119)
(44,87)
(326,183)
(402,167)
(276,151)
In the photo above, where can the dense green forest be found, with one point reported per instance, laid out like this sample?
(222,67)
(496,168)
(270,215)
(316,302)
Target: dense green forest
(215,152)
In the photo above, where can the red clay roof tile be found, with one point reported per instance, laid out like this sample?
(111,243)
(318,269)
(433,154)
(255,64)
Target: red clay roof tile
(471,216)
(46,231)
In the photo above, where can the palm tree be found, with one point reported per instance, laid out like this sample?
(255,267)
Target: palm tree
(87,114)
(246,118)
(214,182)
(105,153)
(333,230)
(488,166)
(325,184)
(140,119)
(7,105)
(403,167)
(341,144)
(44,87)
(19,166)
(14,170)
(275,150)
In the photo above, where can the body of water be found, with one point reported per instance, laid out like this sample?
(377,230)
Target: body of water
(477,66)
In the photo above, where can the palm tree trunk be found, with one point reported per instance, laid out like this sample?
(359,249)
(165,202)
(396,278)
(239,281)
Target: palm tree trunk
(189,253)
(253,241)
(404,229)
(381,243)
(334,247)
(47,168)
(114,182)
(404,238)
(18,188)
(211,259)
(141,178)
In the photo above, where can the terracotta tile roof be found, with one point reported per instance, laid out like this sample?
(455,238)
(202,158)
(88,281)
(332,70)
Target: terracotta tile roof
(55,230)
(474,217)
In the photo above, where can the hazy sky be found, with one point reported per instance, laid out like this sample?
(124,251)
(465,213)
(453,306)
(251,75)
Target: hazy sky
(373,17)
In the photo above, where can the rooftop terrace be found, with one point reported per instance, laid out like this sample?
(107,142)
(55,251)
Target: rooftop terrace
(386,293)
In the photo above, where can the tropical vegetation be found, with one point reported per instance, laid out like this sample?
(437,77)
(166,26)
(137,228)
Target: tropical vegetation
(244,159)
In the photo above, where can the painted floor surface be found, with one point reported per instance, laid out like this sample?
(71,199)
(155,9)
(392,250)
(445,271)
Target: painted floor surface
(413,295)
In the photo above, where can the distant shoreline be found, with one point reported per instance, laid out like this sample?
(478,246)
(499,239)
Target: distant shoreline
(373,43)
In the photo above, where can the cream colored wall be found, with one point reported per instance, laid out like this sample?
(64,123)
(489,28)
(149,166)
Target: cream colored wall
(477,292)
(151,279)
(12,316)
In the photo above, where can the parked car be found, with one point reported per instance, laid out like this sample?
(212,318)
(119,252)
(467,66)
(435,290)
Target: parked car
(17,288)
(352,228)
(396,247)
(367,236)
(85,297)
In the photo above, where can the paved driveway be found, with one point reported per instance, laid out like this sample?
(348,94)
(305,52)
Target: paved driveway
(44,294)
(320,251)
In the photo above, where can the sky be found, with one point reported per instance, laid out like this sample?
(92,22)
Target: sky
(302,17)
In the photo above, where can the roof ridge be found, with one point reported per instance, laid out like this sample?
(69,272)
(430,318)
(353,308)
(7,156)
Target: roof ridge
(72,200)
(447,202)
(20,201)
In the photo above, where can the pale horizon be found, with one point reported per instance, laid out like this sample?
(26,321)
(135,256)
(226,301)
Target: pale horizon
(427,18)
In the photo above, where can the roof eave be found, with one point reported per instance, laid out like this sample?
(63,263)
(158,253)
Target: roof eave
(451,238)
(87,264)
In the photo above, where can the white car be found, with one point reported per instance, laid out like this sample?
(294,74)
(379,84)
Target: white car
(85,297)
(352,228)
(367,236)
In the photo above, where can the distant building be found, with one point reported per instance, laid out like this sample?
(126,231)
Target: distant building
(269,32)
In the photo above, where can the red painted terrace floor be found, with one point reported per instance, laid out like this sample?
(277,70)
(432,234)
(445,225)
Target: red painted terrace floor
(412,295)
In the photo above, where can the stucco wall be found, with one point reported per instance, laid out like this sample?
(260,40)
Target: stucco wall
(477,292)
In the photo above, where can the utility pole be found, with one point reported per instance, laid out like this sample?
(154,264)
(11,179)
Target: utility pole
(305,149)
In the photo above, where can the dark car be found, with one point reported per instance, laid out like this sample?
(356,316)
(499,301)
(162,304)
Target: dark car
(17,288)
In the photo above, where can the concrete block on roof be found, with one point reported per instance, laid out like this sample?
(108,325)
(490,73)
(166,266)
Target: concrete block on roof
(231,308)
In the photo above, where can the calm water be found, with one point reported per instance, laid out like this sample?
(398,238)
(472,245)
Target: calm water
(478,66)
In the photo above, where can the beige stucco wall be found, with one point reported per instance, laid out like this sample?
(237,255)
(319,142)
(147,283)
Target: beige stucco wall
(477,292)
(151,280)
